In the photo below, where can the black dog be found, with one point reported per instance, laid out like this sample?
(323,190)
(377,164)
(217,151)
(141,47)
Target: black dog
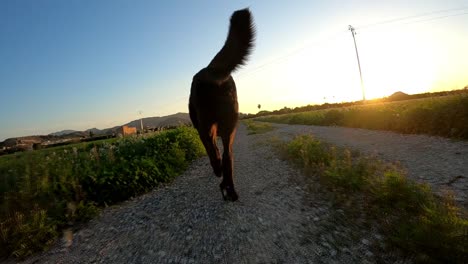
(213,106)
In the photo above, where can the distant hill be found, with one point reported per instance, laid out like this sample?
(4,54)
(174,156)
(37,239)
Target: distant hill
(63,132)
(68,134)
(93,130)
(152,122)
(28,140)
(159,121)
(397,96)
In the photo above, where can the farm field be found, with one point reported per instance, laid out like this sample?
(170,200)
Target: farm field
(47,190)
(445,116)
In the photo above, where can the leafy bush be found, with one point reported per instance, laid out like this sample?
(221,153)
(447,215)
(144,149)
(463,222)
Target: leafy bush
(308,152)
(257,127)
(45,190)
(22,235)
(346,173)
(416,220)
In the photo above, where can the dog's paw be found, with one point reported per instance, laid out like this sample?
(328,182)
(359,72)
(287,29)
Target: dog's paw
(228,193)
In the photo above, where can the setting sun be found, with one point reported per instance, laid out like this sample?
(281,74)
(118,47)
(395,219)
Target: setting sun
(407,57)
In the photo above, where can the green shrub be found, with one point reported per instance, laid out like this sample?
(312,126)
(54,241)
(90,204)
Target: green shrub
(308,152)
(333,117)
(23,234)
(345,173)
(68,183)
(257,127)
(429,227)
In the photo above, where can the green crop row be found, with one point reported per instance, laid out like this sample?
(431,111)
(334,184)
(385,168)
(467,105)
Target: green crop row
(440,116)
(43,191)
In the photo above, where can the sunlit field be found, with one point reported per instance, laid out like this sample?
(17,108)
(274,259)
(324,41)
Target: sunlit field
(445,116)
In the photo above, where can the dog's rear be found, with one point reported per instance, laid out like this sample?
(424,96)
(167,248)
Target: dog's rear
(213,103)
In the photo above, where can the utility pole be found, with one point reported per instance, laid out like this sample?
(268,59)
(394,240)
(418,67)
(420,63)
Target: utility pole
(141,120)
(353,32)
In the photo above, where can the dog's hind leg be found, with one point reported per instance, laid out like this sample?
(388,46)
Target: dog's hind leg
(208,137)
(227,185)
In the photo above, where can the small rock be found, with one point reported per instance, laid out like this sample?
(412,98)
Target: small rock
(162,253)
(316,219)
(325,244)
(365,242)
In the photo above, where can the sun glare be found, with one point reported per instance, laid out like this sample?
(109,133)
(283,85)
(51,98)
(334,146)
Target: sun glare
(391,66)
(407,59)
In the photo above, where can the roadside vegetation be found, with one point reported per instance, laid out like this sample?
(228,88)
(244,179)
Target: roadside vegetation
(254,127)
(45,191)
(414,219)
(445,116)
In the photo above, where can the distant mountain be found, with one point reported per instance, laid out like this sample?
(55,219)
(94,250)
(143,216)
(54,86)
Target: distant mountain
(93,130)
(63,132)
(158,121)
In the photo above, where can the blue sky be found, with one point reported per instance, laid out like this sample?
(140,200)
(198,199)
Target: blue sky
(83,64)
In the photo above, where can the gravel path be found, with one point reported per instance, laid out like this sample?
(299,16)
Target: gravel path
(281,217)
(441,162)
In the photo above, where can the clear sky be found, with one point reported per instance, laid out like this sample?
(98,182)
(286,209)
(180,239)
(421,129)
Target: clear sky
(80,64)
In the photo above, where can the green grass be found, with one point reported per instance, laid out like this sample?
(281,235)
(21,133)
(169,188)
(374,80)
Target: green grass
(440,116)
(43,191)
(424,225)
(254,127)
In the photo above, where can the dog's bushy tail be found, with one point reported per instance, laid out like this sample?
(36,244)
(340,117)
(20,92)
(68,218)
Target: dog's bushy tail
(238,45)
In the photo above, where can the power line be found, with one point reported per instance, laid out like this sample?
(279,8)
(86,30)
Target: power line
(436,18)
(289,54)
(391,21)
